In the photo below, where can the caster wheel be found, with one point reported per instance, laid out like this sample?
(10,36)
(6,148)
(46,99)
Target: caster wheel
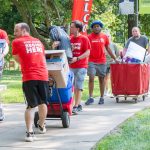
(117,100)
(135,100)
(143,97)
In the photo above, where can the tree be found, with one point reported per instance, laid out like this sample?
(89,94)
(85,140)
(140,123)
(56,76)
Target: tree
(41,14)
(23,7)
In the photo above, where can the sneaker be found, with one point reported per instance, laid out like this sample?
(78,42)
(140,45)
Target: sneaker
(79,108)
(105,93)
(111,96)
(41,130)
(75,110)
(1,113)
(30,137)
(89,101)
(101,101)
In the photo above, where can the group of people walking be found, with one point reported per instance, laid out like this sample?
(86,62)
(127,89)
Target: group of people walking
(89,57)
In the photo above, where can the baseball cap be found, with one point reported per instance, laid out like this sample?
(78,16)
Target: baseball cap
(97,22)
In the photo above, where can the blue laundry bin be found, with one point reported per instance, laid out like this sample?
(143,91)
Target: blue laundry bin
(65,93)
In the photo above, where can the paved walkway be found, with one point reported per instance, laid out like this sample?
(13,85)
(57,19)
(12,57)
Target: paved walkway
(85,129)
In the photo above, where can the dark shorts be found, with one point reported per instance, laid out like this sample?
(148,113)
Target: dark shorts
(36,92)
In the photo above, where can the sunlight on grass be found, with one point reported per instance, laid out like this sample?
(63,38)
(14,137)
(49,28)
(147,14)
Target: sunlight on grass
(13,93)
(134,134)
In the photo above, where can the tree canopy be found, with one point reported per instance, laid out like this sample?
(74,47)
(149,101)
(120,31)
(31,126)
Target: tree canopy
(41,14)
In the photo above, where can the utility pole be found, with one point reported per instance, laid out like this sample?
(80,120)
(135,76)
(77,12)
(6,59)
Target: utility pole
(133,19)
(137,13)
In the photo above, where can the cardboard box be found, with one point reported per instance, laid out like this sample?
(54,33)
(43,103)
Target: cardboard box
(57,66)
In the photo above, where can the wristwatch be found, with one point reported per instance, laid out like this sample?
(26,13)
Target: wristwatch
(78,58)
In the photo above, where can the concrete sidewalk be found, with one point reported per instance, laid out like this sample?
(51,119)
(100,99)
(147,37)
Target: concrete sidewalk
(85,129)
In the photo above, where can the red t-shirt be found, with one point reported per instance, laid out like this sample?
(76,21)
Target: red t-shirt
(3,35)
(32,58)
(98,44)
(79,45)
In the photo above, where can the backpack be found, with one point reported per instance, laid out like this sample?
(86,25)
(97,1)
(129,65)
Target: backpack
(2,48)
(57,33)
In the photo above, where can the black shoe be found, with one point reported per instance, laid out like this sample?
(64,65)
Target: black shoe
(101,101)
(79,108)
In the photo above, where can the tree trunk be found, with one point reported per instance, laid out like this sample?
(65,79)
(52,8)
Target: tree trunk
(23,9)
(131,24)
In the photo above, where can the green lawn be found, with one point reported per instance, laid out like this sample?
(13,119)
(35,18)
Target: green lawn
(134,134)
(96,92)
(13,94)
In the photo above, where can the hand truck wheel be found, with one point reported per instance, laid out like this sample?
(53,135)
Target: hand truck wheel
(36,118)
(65,119)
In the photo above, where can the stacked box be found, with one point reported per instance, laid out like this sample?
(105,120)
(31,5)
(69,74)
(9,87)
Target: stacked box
(57,66)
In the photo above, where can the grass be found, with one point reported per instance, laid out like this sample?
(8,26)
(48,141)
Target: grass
(134,134)
(96,92)
(13,93)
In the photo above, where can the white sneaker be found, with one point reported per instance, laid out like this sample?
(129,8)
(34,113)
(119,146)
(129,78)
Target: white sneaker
(105,93)
(30,137)
(111,96)
(41,130)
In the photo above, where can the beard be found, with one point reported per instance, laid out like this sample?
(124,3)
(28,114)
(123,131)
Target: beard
(137,36)
(97,31)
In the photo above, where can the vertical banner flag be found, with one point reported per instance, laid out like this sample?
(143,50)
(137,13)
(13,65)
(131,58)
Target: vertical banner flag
(144,6)
(126,7)
(81,11)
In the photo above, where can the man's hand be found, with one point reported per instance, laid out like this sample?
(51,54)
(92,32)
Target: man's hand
(55,44)
(74,59)
(116,61)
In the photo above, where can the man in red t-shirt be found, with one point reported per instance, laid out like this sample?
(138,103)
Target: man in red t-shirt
(4,48)
(97,59)
(81,49)
(29,53)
